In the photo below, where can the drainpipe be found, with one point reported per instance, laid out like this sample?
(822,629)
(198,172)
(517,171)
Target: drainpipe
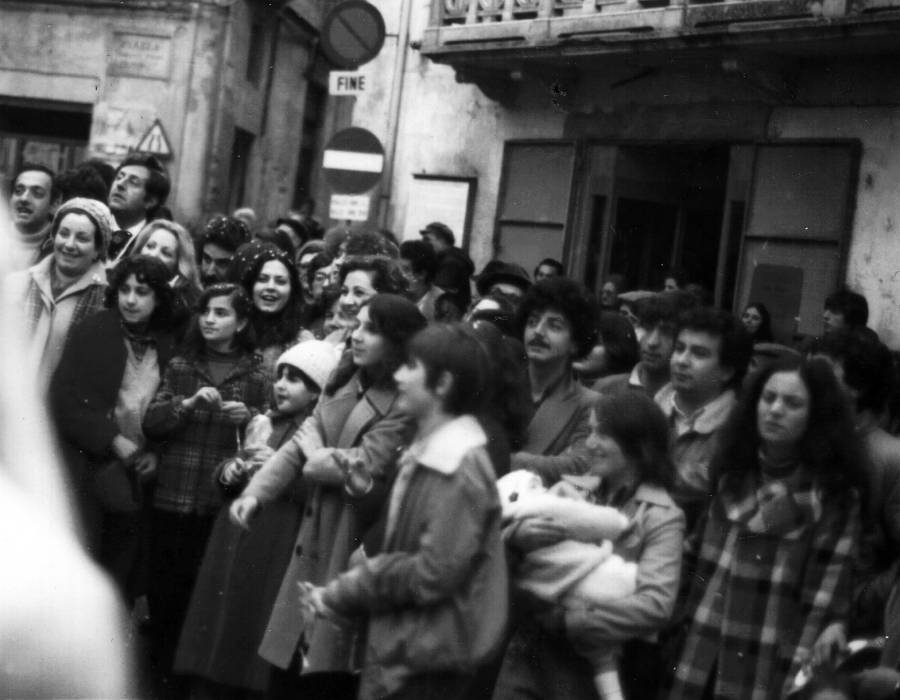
(393,123)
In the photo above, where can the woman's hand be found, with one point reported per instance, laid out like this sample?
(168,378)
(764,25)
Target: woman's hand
(830,643)
(242,510)
(313,604)
(236,412)
(534,533)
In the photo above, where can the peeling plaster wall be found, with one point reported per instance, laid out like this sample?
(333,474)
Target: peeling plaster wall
(453,129)
(448,128)
(80,55)
(873,266)
(186,66)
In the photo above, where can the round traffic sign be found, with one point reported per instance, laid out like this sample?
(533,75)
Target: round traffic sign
(353,161)
(352,34)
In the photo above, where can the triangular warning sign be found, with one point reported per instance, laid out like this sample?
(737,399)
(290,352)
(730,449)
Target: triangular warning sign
(155,141)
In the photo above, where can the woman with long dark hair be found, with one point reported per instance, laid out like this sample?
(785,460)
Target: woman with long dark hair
(269,277)
(768,571)
(356,424)
(108,374)
(758,322)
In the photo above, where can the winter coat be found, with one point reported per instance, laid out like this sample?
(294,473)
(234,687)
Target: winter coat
(83,397)
(49,322)
(236,587)
(554,439)
(196,440)
(365,425)
(436,596)
(759,591)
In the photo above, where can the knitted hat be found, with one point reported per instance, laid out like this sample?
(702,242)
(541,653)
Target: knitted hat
(315,358)
(96,211)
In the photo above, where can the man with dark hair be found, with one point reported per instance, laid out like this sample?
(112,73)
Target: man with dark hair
(845,309)
(455,268)
(83,181)
(220,239)
(140,187)
(559,321)
(33,199)
(419,264)
(547,268)
(657,320)
(709,360)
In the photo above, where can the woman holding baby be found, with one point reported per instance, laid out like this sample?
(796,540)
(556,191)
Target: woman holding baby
(556,650)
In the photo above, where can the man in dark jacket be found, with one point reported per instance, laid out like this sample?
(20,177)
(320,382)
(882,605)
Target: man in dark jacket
(455,268)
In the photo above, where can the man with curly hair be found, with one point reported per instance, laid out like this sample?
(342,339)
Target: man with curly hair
(558,318)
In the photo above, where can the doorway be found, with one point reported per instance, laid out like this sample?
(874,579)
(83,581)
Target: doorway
(668,204)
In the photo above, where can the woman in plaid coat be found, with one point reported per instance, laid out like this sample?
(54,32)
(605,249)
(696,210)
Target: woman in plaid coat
(767,574)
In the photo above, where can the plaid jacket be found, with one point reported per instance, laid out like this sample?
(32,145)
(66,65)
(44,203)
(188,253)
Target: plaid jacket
(196,441)
(759,593)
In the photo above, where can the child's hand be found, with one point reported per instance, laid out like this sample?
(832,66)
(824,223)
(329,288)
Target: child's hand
(123,448)
(308,439)
(236,412)
(206,396)
(233,473)
(242,510)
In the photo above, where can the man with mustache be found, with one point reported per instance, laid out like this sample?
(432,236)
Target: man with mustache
(710,358)
(559,318)
(32,202)
(657,318)
(220,239)
(140,187)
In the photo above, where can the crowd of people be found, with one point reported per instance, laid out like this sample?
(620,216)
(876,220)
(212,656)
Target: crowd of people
(285,443)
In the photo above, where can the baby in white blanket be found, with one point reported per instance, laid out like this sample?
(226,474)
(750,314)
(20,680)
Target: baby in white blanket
(579,571)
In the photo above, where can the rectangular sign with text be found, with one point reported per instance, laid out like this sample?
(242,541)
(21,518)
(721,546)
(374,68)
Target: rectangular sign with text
(349,207)
(347,82)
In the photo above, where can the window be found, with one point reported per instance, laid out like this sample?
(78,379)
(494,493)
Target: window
(534,202)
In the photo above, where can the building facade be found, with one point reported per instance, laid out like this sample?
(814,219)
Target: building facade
(228,92)
(753,143)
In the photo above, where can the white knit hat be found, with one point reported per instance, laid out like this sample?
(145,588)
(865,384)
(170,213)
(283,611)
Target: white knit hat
(315,358)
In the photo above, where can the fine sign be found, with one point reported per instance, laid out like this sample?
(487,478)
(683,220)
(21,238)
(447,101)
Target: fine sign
(353,161)
(347,82)
(352,34)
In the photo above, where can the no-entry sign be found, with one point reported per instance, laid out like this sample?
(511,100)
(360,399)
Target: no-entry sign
(353,161)
(352,34)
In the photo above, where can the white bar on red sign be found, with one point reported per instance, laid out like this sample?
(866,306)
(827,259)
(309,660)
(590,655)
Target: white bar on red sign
(353,160)
(349,207)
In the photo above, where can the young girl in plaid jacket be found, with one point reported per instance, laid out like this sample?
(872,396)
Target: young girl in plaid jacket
(207,396)
(767,574)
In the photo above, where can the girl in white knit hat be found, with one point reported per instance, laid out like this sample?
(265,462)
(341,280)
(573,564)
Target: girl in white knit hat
(242,569)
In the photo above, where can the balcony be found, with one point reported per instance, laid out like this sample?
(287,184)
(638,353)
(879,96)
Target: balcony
(478,32)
